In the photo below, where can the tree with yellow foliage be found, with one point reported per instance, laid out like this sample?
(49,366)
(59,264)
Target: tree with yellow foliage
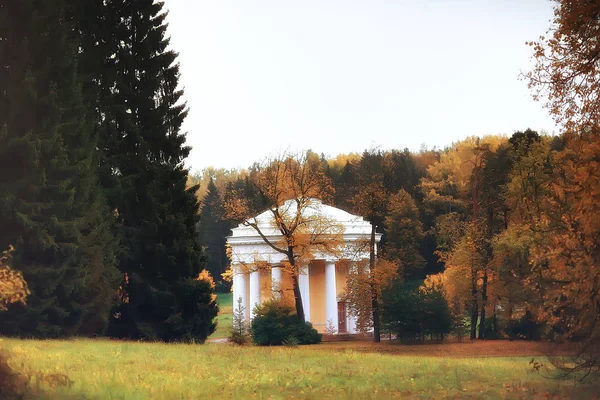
(566,258)
(566,75)
(13,288)
(287,186)
(455,190)
(362,281)
(371,201)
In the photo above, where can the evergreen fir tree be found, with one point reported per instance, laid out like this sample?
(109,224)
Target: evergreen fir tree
(345,187)
(132,80)
(404,234)
(51,207)
(214,230)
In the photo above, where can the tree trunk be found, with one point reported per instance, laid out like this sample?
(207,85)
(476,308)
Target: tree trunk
(375,300)
(474,315)
(474,305)
(482,331)
(297,294)
(488,257)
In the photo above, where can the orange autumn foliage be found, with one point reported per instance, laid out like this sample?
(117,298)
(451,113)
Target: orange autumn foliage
(567,258)
(566,74)
(13,288)
(205,276)
(288,186)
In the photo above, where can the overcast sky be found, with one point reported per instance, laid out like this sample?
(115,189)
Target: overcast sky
(342,76)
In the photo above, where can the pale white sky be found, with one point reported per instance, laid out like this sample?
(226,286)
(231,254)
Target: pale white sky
(341,76)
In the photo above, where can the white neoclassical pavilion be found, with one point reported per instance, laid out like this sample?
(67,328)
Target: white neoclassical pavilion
(321,282)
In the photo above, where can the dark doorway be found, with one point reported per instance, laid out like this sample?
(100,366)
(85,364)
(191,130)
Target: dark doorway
(342,317)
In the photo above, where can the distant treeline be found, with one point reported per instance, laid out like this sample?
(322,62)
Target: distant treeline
(485,222)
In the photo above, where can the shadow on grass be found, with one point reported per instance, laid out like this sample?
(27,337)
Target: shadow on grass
(30,384)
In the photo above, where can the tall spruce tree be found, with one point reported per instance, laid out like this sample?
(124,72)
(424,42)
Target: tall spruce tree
(51,206)
(404,234)
(214,230)
(132,81)
(345,186)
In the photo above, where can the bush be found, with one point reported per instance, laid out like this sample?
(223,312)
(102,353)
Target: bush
(413,311)
(492,331)
(461,326)
(523,328)
(275,324)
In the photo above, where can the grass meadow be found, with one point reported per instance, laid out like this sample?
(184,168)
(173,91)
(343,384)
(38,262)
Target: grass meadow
(225,318)
(105,369)
(108,369)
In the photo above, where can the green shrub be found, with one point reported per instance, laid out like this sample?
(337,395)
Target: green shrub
(274,324)
(523,328)
(492,330)
(291,341)
(413,311)
(304,332)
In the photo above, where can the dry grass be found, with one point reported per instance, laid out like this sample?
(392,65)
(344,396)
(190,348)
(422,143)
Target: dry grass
(478,348)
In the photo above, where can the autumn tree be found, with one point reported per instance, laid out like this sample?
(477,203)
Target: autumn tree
(566,75)
(454,191)
(13,288)
(362,281)
(371,202)
(470,258)
(290,188)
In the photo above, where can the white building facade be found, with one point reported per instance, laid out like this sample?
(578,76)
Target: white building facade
(322,281)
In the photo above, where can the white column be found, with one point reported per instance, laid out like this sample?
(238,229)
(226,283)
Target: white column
(304,285)
(331,311)
(276,282)
(351,324)
(254,291)
(239,290)
(351,319)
